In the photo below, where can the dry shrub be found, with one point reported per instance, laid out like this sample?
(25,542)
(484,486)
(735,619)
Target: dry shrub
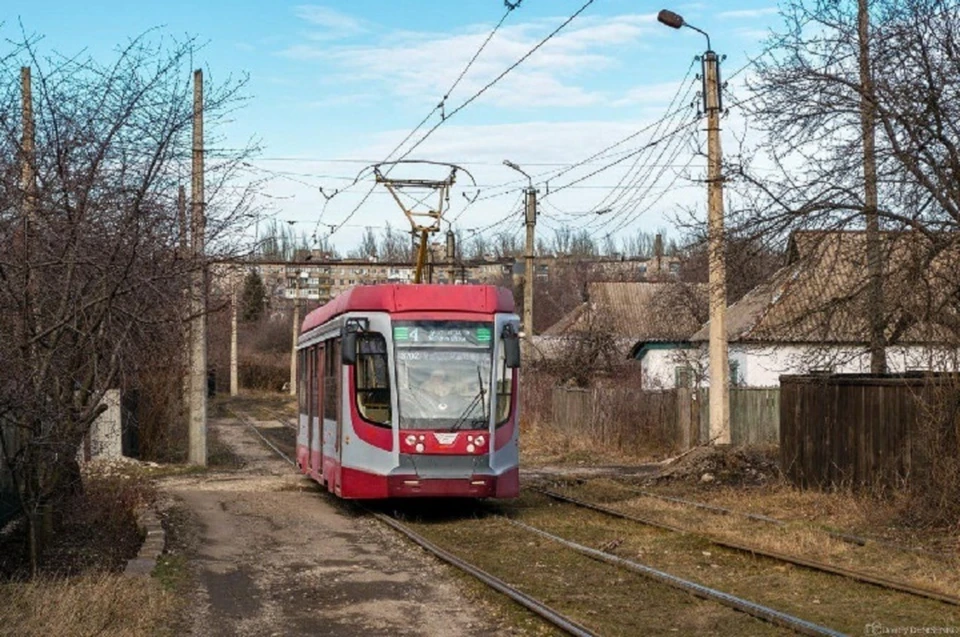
(100,604)
(536,396)
(266,372)
(162,434)
(95,530)
(265,353)
(934,481)
(613,420)
(634,421)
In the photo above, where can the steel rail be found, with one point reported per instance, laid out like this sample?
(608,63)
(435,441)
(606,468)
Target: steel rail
(543,611)
(783,557)
(849,538)
(753,609)
(280,418)
(553,617)
(249,423)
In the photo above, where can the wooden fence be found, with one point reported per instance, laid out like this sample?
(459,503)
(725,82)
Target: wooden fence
(633,420)
(862,430)
(614,418)
(754,415)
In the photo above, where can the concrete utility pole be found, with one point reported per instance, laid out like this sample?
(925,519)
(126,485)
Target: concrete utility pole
(529,267)
(234,377)
(878,356)
(451,257)
(198,332)
(529,273)
(296,334)
(188,299)
(719,369)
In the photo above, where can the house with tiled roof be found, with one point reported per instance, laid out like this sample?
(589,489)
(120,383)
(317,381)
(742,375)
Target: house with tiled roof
(640,317)
(812,315)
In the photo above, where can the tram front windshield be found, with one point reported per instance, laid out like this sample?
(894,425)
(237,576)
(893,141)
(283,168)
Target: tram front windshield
(443,374)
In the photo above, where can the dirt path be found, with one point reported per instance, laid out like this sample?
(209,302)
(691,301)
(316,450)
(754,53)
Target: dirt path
(270,554)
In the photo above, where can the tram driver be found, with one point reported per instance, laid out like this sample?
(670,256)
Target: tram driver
(437,384)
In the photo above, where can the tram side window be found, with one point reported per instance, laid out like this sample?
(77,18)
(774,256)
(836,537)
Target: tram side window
(302,381)
(504,387)
(373,378)
(331,367)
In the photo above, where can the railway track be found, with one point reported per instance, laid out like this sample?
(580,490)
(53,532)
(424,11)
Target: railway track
(545,612)
(849,538)
(551,614)
(813,565)
(280,418)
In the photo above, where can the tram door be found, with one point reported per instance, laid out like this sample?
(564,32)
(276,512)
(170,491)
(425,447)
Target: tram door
(318,392)
(337,393)
(311,362)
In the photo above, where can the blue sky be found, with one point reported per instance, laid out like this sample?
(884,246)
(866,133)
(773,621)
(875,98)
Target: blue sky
(336,85)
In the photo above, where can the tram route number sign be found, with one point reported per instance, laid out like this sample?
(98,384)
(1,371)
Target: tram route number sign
(420,334)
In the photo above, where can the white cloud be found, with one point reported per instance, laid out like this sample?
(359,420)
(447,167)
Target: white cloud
(412,65)
(331,23)
(747,14)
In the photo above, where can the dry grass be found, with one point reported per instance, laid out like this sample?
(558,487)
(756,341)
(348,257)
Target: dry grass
(604,598)
(804,534)
(826,599)
(105,604)
(542,445)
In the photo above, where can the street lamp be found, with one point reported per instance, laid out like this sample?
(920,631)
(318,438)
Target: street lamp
(676,21)
(528,273)
(719,371)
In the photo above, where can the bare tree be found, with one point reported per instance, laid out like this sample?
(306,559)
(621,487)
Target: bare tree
(92,276)
(809,96)
(395,246)
(369,247)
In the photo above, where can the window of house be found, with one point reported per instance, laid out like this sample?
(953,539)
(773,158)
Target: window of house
(373,379)
(736,378)
(683,376)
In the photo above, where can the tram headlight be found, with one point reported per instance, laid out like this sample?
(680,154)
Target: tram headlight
(411,439)
(419,448)
(480,441)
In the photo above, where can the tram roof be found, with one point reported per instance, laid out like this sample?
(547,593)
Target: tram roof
(410,297)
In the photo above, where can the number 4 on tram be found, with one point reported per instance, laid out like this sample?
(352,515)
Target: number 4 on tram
(411,391)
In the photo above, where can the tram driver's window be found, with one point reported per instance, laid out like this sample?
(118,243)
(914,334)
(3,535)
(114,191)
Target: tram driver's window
(373,378)
(504,388)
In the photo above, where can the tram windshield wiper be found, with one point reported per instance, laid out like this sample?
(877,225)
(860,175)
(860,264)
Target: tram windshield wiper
(478,399)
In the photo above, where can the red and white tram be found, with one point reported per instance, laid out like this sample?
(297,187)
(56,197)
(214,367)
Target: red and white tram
(411,391)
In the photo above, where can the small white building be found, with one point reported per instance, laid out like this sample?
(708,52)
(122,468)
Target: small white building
(811,316)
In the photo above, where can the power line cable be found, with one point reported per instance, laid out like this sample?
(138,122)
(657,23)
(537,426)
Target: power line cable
(439,106)
(497,79)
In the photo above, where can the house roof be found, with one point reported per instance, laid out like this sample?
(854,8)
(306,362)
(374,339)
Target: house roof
(637,311)
(821,294)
